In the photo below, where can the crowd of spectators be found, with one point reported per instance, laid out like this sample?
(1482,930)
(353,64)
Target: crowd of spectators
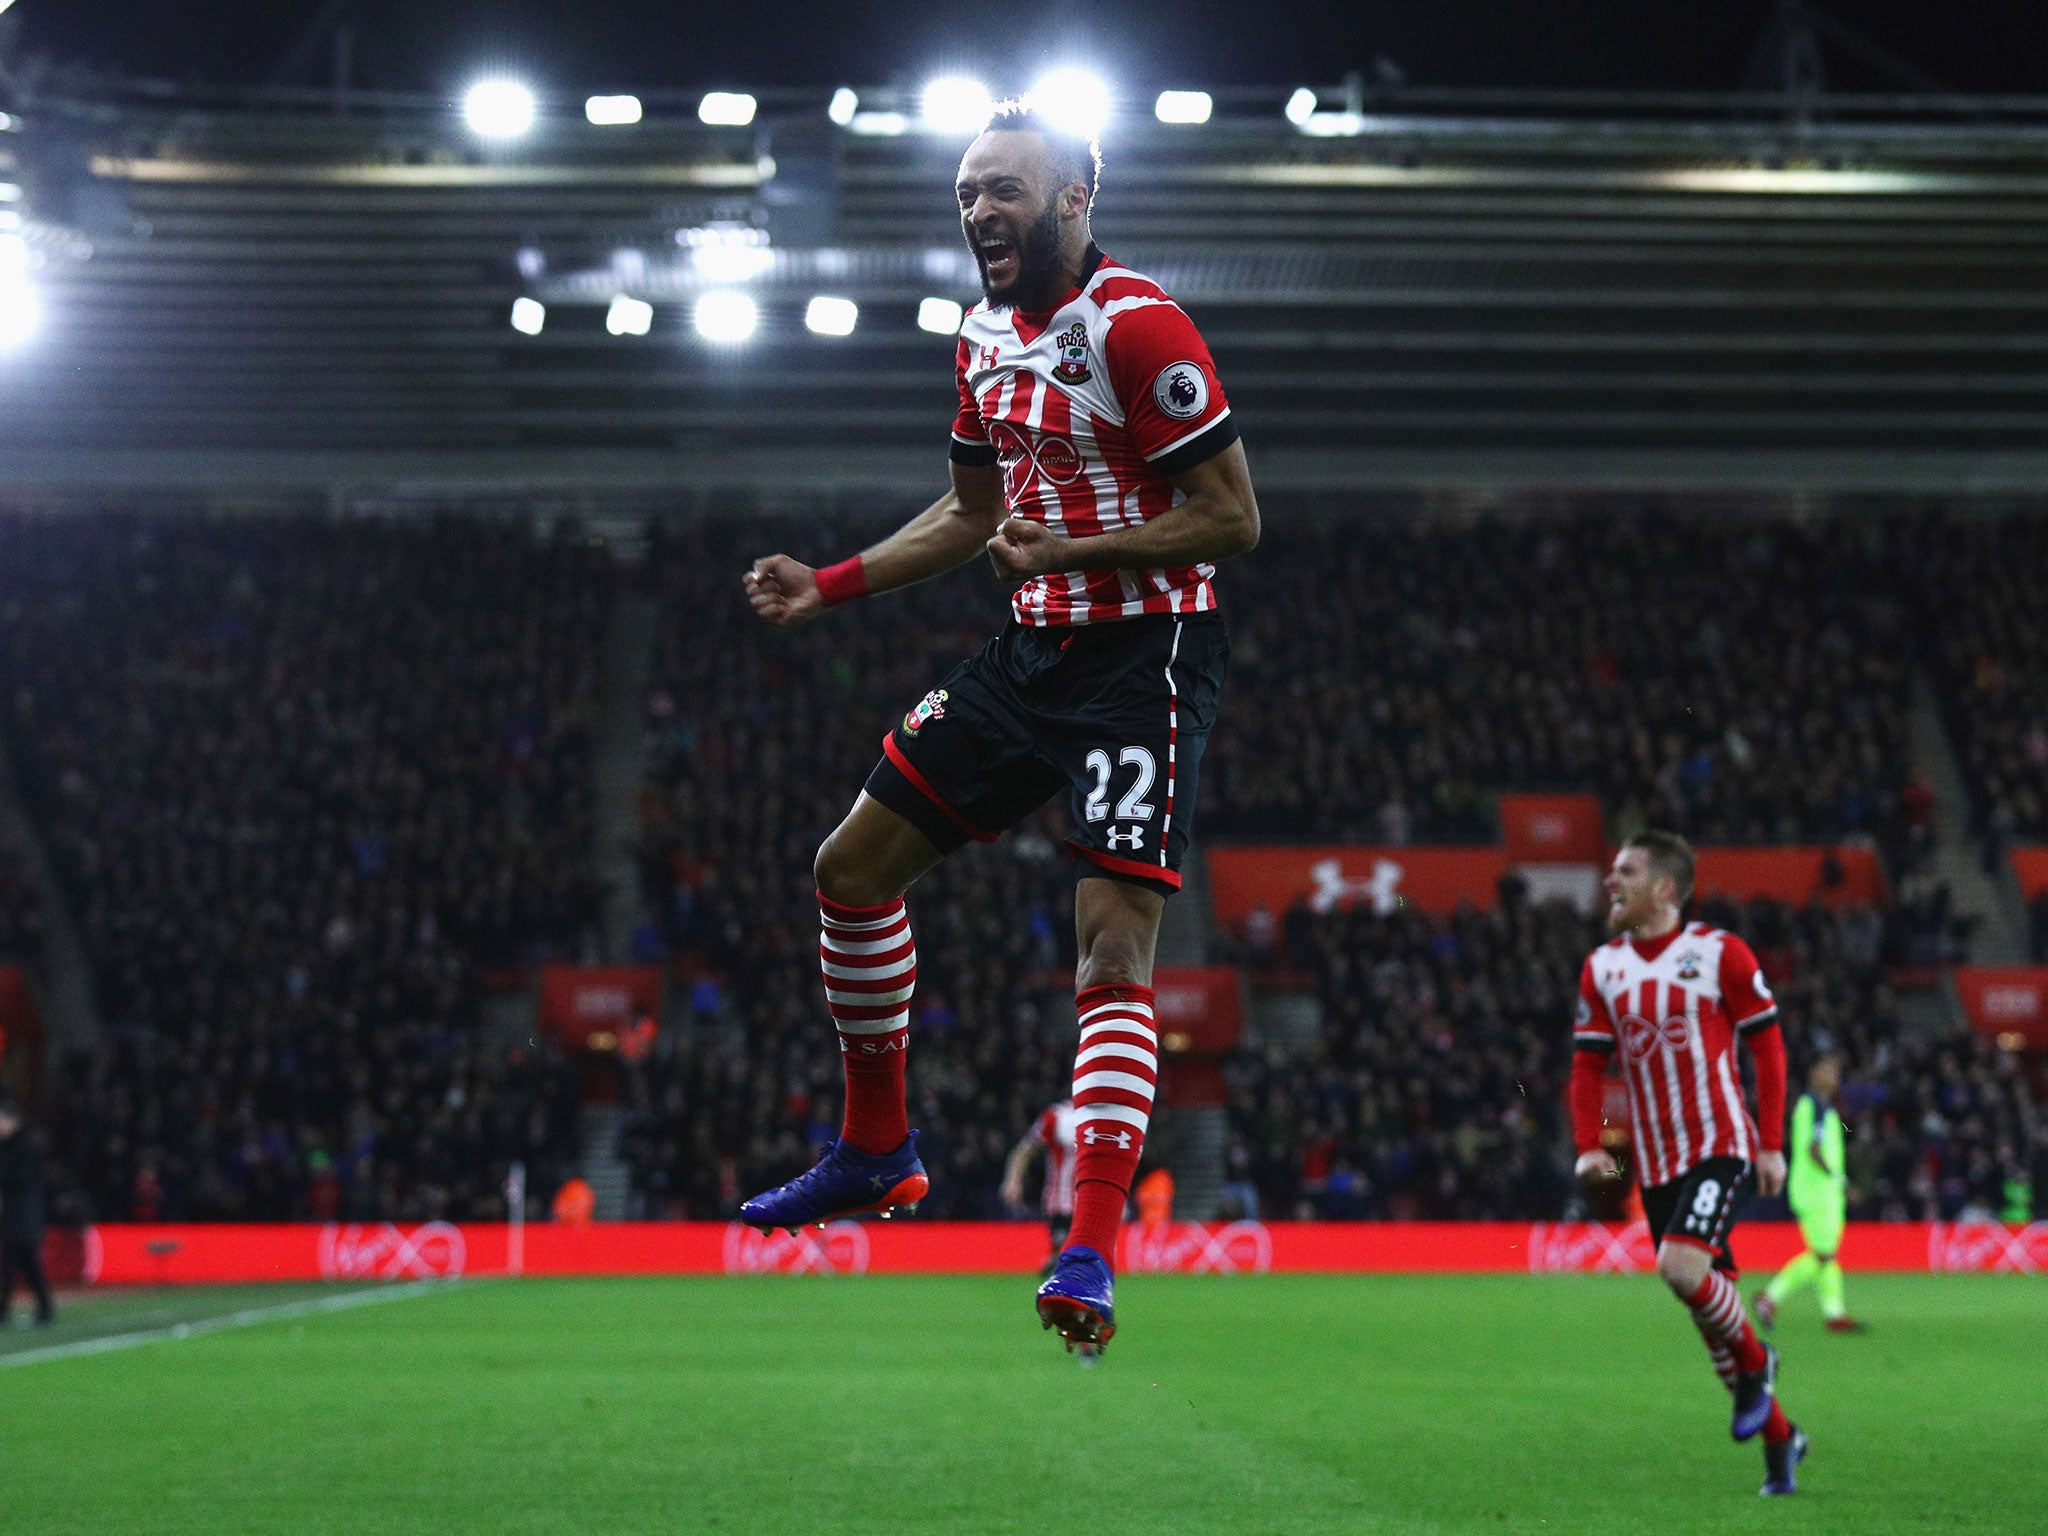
(21,908)
(414,1122)
(1980,583)
(1739,682)
(306,782)
(299,770)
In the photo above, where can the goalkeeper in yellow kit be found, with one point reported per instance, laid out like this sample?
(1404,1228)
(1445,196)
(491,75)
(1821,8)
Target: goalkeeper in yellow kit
(1818,1190)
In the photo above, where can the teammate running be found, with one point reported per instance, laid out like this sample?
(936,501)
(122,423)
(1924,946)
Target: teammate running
(1095,460)
(1819,1194)
(1052,1134)
(1674,998)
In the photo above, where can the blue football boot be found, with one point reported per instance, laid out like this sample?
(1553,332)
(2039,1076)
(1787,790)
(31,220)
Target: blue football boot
(1753,1393)
(1781,1462)
(843,1182)
(1080,1300)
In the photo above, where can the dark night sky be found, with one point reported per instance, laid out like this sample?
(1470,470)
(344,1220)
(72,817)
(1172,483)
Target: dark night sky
(1974,45)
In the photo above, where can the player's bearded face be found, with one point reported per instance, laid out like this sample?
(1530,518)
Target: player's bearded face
(1029,277)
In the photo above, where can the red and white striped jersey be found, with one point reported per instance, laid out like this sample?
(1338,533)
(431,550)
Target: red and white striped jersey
(1673,1008)
(1091,408)
(1056,1131)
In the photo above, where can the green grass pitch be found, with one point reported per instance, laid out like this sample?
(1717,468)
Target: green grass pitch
(1572,1406)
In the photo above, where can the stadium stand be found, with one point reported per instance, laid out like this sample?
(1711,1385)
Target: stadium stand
(306,769)
(1981,591)
(248,1122)
(306,782)
(21,910)
(1741,682)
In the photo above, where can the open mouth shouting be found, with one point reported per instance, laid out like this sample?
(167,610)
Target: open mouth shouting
(999,259)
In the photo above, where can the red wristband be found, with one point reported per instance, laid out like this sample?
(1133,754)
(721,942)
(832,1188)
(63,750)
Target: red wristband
(847,579)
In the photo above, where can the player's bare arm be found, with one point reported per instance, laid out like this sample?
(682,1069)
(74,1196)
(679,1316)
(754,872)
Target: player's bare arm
(945,535)
(1021,1157)
(1217,520)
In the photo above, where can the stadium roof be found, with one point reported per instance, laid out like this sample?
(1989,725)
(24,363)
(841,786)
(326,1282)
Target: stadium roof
(1439,287)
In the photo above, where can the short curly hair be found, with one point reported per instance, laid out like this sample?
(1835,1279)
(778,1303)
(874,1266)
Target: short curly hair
(1077,156)
(1670,855)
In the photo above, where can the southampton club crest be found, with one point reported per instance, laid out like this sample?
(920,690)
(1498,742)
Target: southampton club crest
(933,707)
(1689,965)
(1073,364)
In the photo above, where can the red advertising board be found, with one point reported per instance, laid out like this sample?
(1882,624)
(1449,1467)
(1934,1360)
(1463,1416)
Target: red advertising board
(1792,875)
(2030,867)
(209,1254)
(1198,1008)
(1434,879)
(1553,829)
(2007,1002)
(581,1001)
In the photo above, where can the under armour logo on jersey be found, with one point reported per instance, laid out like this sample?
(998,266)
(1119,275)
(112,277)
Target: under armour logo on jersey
(1135,834)
(989,356)
(1093,1137)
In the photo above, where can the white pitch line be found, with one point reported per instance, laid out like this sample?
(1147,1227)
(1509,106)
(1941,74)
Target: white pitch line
(247,1317)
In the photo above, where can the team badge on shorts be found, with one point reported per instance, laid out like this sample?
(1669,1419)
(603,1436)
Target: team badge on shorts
(1073,363)
(932,707)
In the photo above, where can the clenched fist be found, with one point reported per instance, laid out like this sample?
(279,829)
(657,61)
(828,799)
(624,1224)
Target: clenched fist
(1022,549)
(783,591)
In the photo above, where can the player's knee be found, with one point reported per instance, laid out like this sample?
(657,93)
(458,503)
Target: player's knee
(849,881)
(1682,1268)
(1111,965)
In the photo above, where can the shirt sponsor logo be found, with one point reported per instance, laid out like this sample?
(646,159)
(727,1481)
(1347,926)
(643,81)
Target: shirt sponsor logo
(1639,1037)
(1181,391)
(1073,363)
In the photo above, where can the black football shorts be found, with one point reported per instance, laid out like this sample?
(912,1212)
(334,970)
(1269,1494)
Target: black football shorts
(1115,713)
(1699,1207)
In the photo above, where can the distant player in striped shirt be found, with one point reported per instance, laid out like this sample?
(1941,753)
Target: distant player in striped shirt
(1053,1136)
(1096,463)
(1819,1195)
(1672,999)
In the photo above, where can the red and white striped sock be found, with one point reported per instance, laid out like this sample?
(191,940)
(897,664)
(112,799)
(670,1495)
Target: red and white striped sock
(1724,1361)
(869,962)
(1116,1071)
(1716,1308)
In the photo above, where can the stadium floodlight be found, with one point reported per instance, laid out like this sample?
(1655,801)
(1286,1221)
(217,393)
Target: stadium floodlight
(725,315)
(498,109)
(13,255)
(529,315)
(1300,106)
(881,124)
(845,102)
(5,3)
(9,192)
(954,104)
(731,263)
(941,317)
(726,109)
(1073,100)
(629,316)
(831,317)
(19,311)
(1333,125)
(612,111)
(1183,107)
